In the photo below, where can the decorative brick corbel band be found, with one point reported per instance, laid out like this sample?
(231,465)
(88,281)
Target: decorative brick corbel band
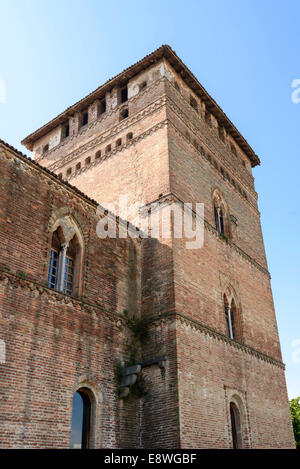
(204,130)
(122,147)
(171,197)
(217,335)
(108,134)
(103,117)
(19,281)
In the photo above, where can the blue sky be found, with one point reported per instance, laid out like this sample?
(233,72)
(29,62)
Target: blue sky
(244,52)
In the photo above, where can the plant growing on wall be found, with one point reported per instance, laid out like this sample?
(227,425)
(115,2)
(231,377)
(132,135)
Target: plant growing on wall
(138,329)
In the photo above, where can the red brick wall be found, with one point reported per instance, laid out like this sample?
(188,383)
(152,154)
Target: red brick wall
(187,404)
(211,372)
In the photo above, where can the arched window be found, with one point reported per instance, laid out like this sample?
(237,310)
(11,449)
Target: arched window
(230,317)
(232,312)
(219,219)
(81,419)
(64,272)
(124,113)
(221,214)
(235,420)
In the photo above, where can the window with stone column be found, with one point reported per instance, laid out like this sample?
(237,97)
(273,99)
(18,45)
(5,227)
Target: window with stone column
(220,208)
(232,315)
(65,260)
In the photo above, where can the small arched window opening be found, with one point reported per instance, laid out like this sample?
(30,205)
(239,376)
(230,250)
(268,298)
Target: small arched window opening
(129,136)
(98,154)
(119,142)
(124,114)
(45,148)
(87,161)
(81,420)
(235,420)
(78,166)
(108,149)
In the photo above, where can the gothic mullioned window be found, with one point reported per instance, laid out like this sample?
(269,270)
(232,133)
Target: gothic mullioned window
(65,259)
(221,213)
(232,317)
(229,317)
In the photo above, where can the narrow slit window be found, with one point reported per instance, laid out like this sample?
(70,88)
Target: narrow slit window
(102,109)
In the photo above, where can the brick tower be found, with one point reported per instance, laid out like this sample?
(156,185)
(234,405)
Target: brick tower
(154,134)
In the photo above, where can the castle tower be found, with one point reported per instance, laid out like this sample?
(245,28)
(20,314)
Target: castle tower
(154,135)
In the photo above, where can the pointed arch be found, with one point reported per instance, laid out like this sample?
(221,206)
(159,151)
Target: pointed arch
(232,311)
(66,255)
(221,213)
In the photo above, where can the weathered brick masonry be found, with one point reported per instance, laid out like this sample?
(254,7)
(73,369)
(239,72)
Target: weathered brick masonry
(161,140)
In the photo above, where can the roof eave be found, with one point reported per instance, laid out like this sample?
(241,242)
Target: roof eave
(163,51)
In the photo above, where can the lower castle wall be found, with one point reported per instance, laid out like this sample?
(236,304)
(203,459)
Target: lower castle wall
(211,371)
